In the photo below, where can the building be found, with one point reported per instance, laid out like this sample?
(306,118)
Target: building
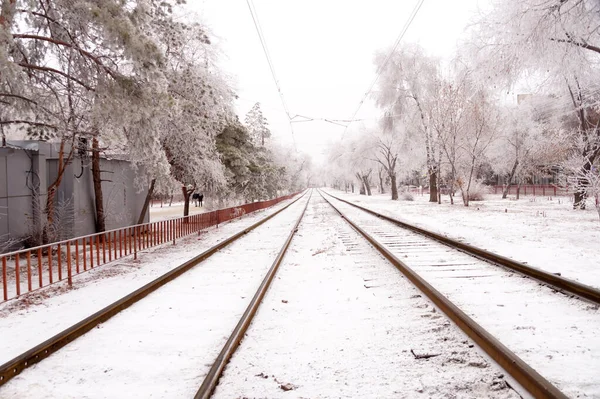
(27,168)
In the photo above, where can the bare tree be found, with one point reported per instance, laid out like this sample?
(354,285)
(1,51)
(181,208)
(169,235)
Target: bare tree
(406,91)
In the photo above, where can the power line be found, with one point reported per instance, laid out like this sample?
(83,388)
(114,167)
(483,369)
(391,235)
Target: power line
(263,43)
(387,59)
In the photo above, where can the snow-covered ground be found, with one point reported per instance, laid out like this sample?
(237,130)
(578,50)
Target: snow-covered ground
(547,234)
(35,317)
(339,321)
(556,335)
(163,345)
(158,212)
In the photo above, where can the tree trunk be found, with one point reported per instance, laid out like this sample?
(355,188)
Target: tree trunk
(352,185)
(510,178)
(579,197)
(52,189)
(97,180)
(394,187)
(439,185)
(464,193)
(433,184)
(146,202)
(518,190)
(452,185)
(580,194)
(367,185)
(186,200)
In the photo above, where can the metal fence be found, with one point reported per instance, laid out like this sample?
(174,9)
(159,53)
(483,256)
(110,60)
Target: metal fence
(534,189)
(524,189)
(31,269)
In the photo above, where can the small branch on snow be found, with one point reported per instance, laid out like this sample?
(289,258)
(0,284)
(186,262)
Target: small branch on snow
(425,356)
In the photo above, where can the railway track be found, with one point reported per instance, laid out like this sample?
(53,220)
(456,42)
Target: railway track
(393,338)
(244,255)
(549,331)
(555,281)
(330,327)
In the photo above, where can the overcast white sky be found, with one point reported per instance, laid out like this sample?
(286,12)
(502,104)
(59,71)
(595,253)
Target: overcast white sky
(322,52)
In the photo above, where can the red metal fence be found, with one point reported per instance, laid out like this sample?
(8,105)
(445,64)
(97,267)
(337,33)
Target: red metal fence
(534,189)
(526,189)
(31,269)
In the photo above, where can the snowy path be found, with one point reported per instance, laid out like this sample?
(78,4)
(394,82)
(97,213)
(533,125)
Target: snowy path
(547,234)
(556,335)
(340,321)
(163,345)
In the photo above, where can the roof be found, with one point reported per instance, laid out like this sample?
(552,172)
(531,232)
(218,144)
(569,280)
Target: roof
(23,145)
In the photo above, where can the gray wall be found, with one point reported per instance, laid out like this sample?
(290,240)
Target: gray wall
(23,173)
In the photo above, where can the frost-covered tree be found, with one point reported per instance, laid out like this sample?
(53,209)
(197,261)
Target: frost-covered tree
(556,44)
(388,146)
(338,166)
(448,121)
(113,76)
(528,140)
(251,172)
(59,58)
(407,88)
(257,125)
(482,123)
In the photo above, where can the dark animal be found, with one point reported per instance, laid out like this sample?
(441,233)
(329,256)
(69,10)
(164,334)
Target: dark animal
(197,198)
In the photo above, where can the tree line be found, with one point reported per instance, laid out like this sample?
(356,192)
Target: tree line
(454,121)
(133,77)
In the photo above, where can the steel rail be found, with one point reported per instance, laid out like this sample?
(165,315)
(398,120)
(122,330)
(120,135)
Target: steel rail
(212,378)
(34,355)
(530,379)
(557,282)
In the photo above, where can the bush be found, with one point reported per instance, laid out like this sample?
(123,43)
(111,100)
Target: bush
(407,196)
(477,192)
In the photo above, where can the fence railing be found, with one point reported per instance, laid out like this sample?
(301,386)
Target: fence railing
(525,189)
(34,268)
(533,189)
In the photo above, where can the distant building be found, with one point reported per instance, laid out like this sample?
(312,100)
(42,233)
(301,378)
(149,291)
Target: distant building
(27,168)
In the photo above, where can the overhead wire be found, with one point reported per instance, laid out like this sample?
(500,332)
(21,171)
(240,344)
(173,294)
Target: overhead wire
(263,43)
(387,59)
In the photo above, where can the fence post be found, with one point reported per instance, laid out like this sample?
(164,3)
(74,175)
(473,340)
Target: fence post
(40,277)
(69,275)
(98,250)
(29,285)
(77,256)
(50,273)
(103,239)
(135,229)
(59,262)
(4,282)
(91,253)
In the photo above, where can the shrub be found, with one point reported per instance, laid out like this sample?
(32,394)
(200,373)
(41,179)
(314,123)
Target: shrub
(477,192)
(407,196)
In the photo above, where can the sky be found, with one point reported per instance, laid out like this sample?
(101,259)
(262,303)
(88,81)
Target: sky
(322,52)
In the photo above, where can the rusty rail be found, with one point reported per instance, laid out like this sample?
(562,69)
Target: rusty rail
(212,378)
(15,366)
(556,282)
(46,264)
(530,379)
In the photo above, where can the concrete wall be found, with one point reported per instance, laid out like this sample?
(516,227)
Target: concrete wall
(24,179)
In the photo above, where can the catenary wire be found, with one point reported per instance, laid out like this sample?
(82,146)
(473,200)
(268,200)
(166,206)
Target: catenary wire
(387,59)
